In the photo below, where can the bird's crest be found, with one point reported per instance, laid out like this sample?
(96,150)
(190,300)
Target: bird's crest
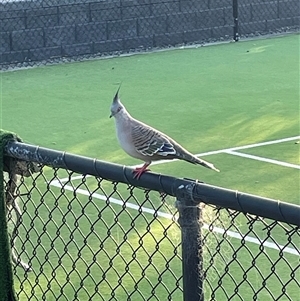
(116,98)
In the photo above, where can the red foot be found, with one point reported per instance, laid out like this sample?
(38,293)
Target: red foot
(140,170)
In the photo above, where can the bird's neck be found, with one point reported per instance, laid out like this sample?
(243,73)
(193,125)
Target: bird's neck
(122,118)
(123,115)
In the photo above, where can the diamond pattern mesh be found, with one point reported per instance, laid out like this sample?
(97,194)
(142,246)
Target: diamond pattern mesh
(38,32)
(86,238)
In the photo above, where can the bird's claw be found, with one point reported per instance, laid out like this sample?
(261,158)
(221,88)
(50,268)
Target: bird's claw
(139,171)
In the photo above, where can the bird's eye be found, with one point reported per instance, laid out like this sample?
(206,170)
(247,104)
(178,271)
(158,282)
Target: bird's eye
(119,109)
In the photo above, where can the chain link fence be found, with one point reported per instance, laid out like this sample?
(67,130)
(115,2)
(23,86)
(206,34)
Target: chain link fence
(89,231)
(261,17)
(54,31)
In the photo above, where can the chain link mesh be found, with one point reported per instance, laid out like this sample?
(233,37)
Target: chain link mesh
(86,238)
(260,17)
(55,31)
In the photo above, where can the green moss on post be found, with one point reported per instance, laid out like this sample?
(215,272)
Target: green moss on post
(7,292)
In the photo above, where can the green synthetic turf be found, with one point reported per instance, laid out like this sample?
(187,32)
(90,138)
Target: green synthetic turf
(206,98)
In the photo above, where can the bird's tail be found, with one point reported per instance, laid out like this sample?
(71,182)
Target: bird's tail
(183,154)
(193,159)
(206,164)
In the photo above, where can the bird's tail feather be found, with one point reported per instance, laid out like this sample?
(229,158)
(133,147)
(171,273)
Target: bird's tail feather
(206,164)
(192,159)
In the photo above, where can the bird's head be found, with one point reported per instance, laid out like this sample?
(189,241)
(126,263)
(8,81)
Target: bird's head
(116,106)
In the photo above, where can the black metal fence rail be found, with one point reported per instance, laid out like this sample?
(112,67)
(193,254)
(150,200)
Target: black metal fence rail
(199,192)
(32,31)
(90,231)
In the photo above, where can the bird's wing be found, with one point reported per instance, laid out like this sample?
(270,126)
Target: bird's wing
(155,145)
(149,142)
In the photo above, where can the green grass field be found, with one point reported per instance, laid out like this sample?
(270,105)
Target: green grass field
(208,99)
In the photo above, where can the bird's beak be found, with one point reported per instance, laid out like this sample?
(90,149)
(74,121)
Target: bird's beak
(111,115)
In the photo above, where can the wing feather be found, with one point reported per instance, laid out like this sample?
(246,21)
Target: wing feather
(150,142)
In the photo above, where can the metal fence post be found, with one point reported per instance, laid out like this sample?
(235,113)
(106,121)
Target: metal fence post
(190,224)
(7,292)
(235,9)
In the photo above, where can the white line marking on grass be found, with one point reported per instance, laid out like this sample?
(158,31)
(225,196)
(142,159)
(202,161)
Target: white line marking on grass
(114,201)
(264,143)
(254,240)
(172,217)
(263,159)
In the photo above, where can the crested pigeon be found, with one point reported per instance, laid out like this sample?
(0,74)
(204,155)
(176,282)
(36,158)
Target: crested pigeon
(146,143)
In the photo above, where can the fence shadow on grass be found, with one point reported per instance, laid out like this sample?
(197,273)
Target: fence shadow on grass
(90,231)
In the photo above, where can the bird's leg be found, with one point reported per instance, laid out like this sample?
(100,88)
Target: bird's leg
(138,171)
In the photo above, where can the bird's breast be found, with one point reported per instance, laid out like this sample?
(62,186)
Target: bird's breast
(124,136)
